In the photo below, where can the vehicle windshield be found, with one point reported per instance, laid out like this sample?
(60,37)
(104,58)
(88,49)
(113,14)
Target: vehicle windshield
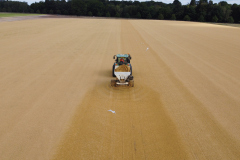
(124,58)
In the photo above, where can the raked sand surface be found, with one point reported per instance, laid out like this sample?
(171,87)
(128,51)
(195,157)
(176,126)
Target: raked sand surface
(55,90)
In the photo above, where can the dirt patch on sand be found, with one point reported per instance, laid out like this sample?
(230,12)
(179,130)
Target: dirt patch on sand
(133,131)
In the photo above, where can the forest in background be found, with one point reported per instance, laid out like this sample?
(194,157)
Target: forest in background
(202,10)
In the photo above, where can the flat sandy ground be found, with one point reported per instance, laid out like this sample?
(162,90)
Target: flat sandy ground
(55,90)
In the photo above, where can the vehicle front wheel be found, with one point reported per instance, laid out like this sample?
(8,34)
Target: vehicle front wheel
(113,71)
(131,69)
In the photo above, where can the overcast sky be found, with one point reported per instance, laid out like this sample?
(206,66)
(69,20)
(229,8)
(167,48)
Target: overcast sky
(164,1)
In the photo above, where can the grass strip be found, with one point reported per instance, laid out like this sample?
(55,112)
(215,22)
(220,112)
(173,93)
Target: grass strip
(17,14)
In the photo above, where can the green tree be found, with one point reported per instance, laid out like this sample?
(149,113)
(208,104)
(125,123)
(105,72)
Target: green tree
(193,3)
(226,12)
(160,16)
(138,15)
(118,10)
(79,7)
(215,19)
(51,11)
(203,1)
(197,10)
(235,13)
(108,14)
(223,3)
(186,18)
(173,17)
(65,12)
(210,2)
(177,9)
(167,12)
(149,16)
(117,15)
(44,11)
(230,20)
(38,11)
(201,19)
(177,3)
(58,11)
(90,13)
(201,10)
(99,14)
(144,10)
(191,12)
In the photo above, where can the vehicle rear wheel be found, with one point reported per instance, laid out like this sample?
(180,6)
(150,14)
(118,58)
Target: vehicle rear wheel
(131,83)
(113,83)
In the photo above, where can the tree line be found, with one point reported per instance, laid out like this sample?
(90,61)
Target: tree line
(202,10)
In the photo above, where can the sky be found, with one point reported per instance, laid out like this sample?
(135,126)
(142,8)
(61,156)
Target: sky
(184,2)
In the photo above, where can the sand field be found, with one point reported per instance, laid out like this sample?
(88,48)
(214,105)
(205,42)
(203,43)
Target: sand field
(55,92)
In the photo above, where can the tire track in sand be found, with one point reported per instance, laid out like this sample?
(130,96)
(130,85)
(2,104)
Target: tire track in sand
(202,134)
